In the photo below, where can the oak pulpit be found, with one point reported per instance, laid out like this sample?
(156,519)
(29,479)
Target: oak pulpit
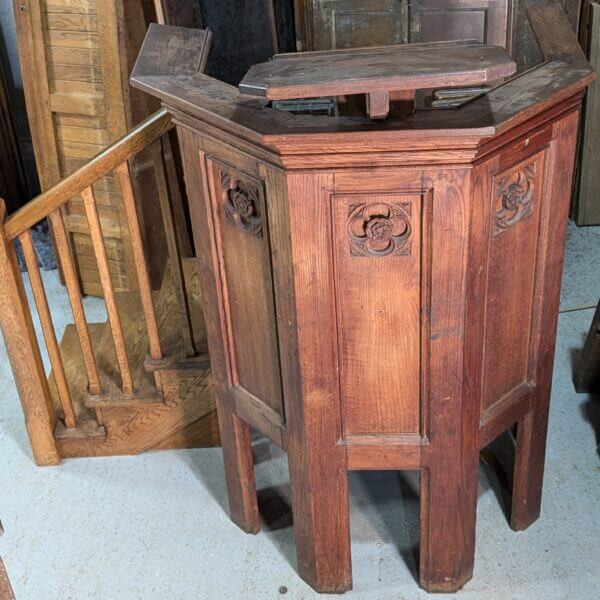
(380,281)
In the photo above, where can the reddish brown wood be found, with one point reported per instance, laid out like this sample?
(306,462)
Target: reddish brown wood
(392,68)
(235,433)
(379,295)
(531,431)
(378,105)
(314,421)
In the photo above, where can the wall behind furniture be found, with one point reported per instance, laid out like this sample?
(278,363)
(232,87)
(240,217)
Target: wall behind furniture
(246,32)
(9,58)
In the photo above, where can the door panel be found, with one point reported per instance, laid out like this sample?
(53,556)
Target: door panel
(439,20)
(356,23)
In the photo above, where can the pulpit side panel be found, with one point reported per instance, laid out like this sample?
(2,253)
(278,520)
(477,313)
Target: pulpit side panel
(228,206)
(514,208)
(242,239)
(523,205)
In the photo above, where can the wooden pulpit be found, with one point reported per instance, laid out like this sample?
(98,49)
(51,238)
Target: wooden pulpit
(380,282)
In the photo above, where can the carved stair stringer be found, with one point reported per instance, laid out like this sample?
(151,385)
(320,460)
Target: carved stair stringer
(182,415)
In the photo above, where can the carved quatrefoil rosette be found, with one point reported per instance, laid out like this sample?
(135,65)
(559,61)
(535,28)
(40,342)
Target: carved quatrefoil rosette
(240,202)
(379,229)
(514,198)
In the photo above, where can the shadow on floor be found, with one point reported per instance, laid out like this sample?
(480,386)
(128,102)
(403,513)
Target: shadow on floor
(385,508)
(497,461)
(591,413)
(384,505)
(590,410)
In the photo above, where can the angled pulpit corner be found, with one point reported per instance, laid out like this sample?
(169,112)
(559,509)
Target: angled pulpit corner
(380,281)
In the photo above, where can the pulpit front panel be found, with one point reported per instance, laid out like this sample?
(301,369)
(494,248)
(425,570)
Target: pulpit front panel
(377,253)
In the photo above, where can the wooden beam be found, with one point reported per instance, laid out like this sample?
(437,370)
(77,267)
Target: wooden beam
(553,33)
(25,358)
(41,302)
(586,209)
(378,105)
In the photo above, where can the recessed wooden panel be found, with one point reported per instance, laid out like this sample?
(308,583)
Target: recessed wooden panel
(71,22)
(242,234)
(85,259)
(356,30)
(514,223)
(441,20)
(355,23)
(328,24)
(444,25)
(377,246)
(69,6)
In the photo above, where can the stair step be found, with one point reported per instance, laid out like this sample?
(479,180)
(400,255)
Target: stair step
(88,428)
(175,363)
(117,399)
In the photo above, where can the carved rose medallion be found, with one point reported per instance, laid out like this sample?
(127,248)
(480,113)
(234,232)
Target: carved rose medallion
(379,229)
(240,202)
(514,198)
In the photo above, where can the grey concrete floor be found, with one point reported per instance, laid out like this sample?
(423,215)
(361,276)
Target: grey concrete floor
(155,526)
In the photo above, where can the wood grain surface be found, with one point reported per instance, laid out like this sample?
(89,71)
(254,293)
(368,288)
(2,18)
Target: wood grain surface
(385,69)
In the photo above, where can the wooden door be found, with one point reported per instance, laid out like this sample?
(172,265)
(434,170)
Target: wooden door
(525,49)
(75,57)
(329,24)
(440,20)
(354,23)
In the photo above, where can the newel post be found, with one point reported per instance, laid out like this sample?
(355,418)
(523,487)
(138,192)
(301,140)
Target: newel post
(24,354)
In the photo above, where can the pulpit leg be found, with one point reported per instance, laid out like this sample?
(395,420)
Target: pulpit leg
(448,515)
(529,468)
(321,521)
(239,469)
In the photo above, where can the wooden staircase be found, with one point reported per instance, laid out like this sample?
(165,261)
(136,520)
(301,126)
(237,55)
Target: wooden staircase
(181,414)
(141,381)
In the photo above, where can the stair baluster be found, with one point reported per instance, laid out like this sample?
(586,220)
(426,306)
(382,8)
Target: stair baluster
(173,249)
(140,260)
(63,250)
(141,267)
(41,302)
(108,289)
